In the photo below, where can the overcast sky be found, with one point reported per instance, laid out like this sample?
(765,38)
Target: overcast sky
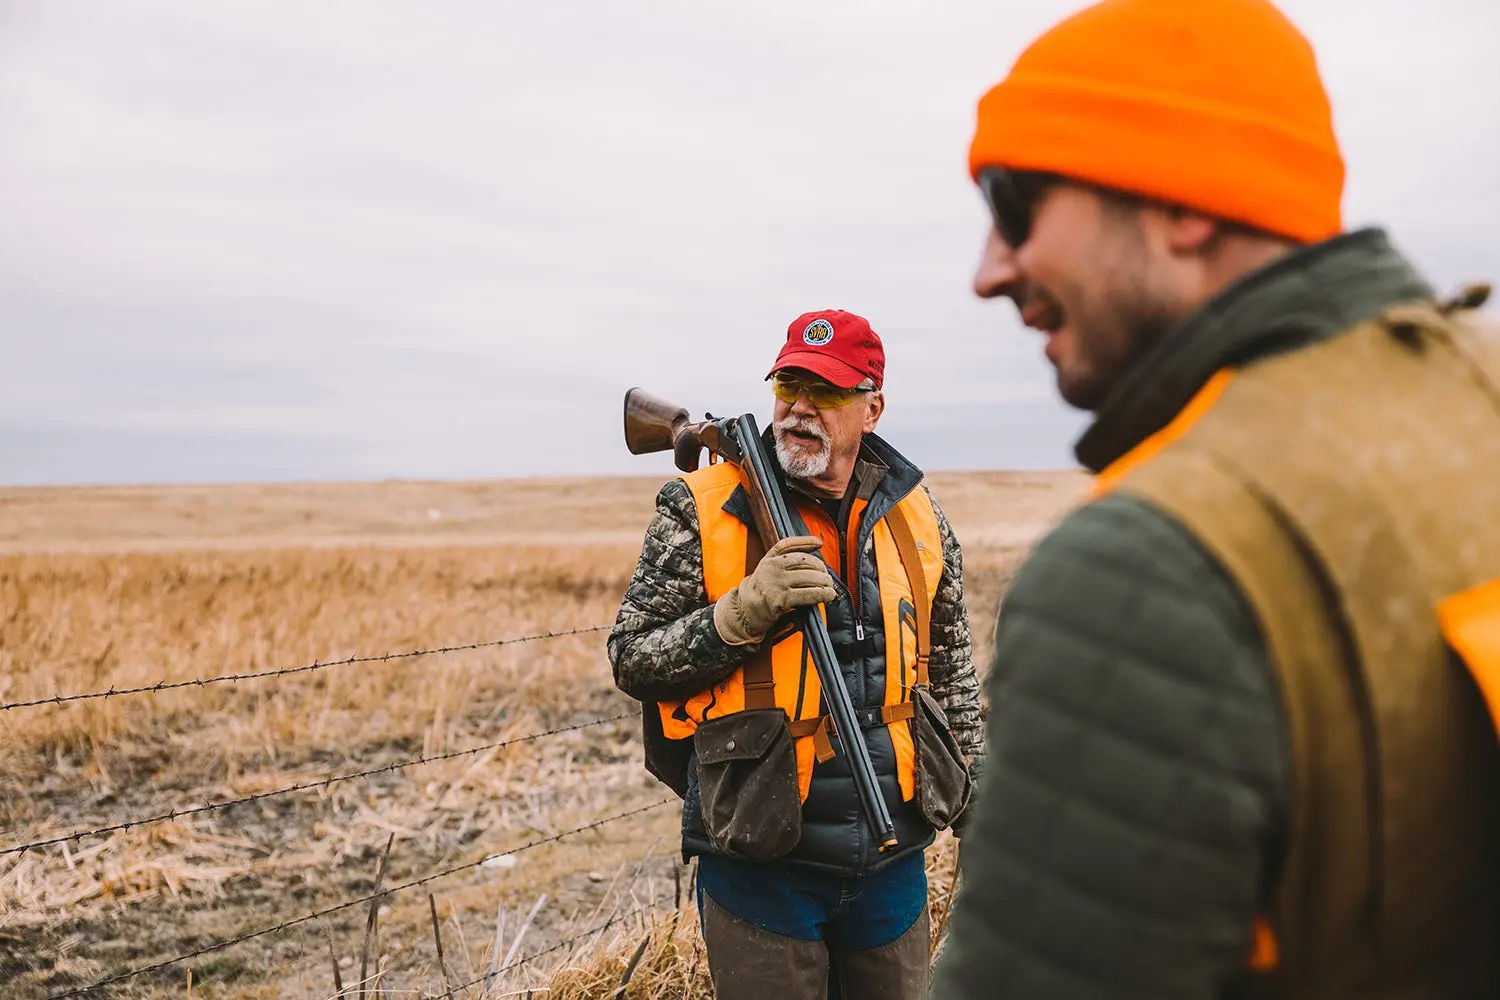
(335,240)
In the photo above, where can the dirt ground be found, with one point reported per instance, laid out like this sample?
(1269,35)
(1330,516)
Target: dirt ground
(129,586)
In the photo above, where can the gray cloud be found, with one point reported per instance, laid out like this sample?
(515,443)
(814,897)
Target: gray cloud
(348,239)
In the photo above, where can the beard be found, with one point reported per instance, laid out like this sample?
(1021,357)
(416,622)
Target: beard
(1116,320)
(1111,343)
(795,461)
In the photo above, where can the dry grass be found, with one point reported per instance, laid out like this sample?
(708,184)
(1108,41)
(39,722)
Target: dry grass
(661,956)
(113,587)
(83,622)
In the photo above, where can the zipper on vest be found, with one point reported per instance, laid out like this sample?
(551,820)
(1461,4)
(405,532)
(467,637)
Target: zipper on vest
(854,588)
(843,578)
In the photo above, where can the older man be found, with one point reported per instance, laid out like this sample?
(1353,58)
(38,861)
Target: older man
(1236,748)
(804,905)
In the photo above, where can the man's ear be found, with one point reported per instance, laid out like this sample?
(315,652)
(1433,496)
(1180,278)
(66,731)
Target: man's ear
(877,407)
(1189,231)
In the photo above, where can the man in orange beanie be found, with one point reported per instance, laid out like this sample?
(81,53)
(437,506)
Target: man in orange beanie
(1240,743)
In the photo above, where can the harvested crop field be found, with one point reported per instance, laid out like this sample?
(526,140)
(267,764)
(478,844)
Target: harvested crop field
(109,589)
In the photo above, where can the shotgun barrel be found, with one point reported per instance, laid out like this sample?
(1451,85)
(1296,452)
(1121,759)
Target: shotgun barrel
(763,481)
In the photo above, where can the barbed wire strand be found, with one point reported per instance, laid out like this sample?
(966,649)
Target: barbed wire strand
(301,787)
(559,946)
(316,914)
(164,685)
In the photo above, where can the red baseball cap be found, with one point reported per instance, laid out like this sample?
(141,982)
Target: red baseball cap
(835,345)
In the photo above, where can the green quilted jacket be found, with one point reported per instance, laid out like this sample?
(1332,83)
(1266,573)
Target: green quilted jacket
(1131,816)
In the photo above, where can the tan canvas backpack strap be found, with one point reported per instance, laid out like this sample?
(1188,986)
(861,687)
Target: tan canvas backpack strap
(816,727)
(906,547)
(897,713)
(760,682)
(760,678)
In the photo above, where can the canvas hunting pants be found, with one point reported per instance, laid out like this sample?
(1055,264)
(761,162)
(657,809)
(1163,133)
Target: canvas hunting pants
(782,932)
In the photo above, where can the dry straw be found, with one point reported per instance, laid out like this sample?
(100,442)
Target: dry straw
(255,587)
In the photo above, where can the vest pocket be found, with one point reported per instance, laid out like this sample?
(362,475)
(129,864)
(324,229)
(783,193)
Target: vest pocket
(747,782)
(942,777)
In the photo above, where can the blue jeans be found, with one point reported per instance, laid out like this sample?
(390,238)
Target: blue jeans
(848,913)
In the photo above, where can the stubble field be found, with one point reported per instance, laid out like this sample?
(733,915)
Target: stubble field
(115,588)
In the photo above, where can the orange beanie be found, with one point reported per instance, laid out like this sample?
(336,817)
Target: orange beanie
(1216,105)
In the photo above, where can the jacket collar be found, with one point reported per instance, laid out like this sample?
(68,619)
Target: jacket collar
(1311,294)
(882,477)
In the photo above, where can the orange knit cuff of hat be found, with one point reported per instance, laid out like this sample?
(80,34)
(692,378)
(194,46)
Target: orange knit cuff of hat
(1215,105)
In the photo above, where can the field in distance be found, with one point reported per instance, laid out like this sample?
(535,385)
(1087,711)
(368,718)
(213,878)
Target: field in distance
(117,587)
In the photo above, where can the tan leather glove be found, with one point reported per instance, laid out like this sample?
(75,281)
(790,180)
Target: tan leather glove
(789,576)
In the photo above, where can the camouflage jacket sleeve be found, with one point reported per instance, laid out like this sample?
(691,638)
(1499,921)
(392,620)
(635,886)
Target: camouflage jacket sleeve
(664,645)
(955,684)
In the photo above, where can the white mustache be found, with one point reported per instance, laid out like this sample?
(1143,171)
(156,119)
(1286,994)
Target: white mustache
(804,425)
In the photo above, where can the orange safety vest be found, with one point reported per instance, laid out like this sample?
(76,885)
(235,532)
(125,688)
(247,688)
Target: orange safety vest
(782,673)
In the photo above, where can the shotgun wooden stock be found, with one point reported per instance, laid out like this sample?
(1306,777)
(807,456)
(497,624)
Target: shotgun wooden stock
(653,425)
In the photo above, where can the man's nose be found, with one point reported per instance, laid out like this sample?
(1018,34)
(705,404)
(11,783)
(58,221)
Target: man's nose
(998,273)
(803,406)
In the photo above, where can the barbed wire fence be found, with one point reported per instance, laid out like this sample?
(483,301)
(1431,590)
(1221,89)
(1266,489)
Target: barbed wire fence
(200,682)
(302,787)
(497,970)
(567,942)
(347,904)
(98,987)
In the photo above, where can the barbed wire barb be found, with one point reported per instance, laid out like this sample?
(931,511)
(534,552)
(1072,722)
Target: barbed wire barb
(316,914)
(302,787)
(164,685)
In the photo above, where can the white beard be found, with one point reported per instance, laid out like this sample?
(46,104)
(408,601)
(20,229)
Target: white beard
(799,464)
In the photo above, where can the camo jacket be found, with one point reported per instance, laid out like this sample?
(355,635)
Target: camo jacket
(664,645)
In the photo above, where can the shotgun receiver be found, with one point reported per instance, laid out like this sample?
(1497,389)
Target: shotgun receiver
(653,425)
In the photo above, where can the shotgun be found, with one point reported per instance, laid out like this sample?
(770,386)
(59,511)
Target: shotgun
(654,425)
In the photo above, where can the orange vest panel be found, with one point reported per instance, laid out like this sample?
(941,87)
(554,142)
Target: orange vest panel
(797,691)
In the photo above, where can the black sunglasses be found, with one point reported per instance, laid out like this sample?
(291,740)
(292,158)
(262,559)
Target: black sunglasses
(1012,196)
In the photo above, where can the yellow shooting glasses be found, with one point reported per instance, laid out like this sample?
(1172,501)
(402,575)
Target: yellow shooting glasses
(823,395)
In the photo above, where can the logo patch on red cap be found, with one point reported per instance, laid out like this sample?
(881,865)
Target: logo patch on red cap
(817,333)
